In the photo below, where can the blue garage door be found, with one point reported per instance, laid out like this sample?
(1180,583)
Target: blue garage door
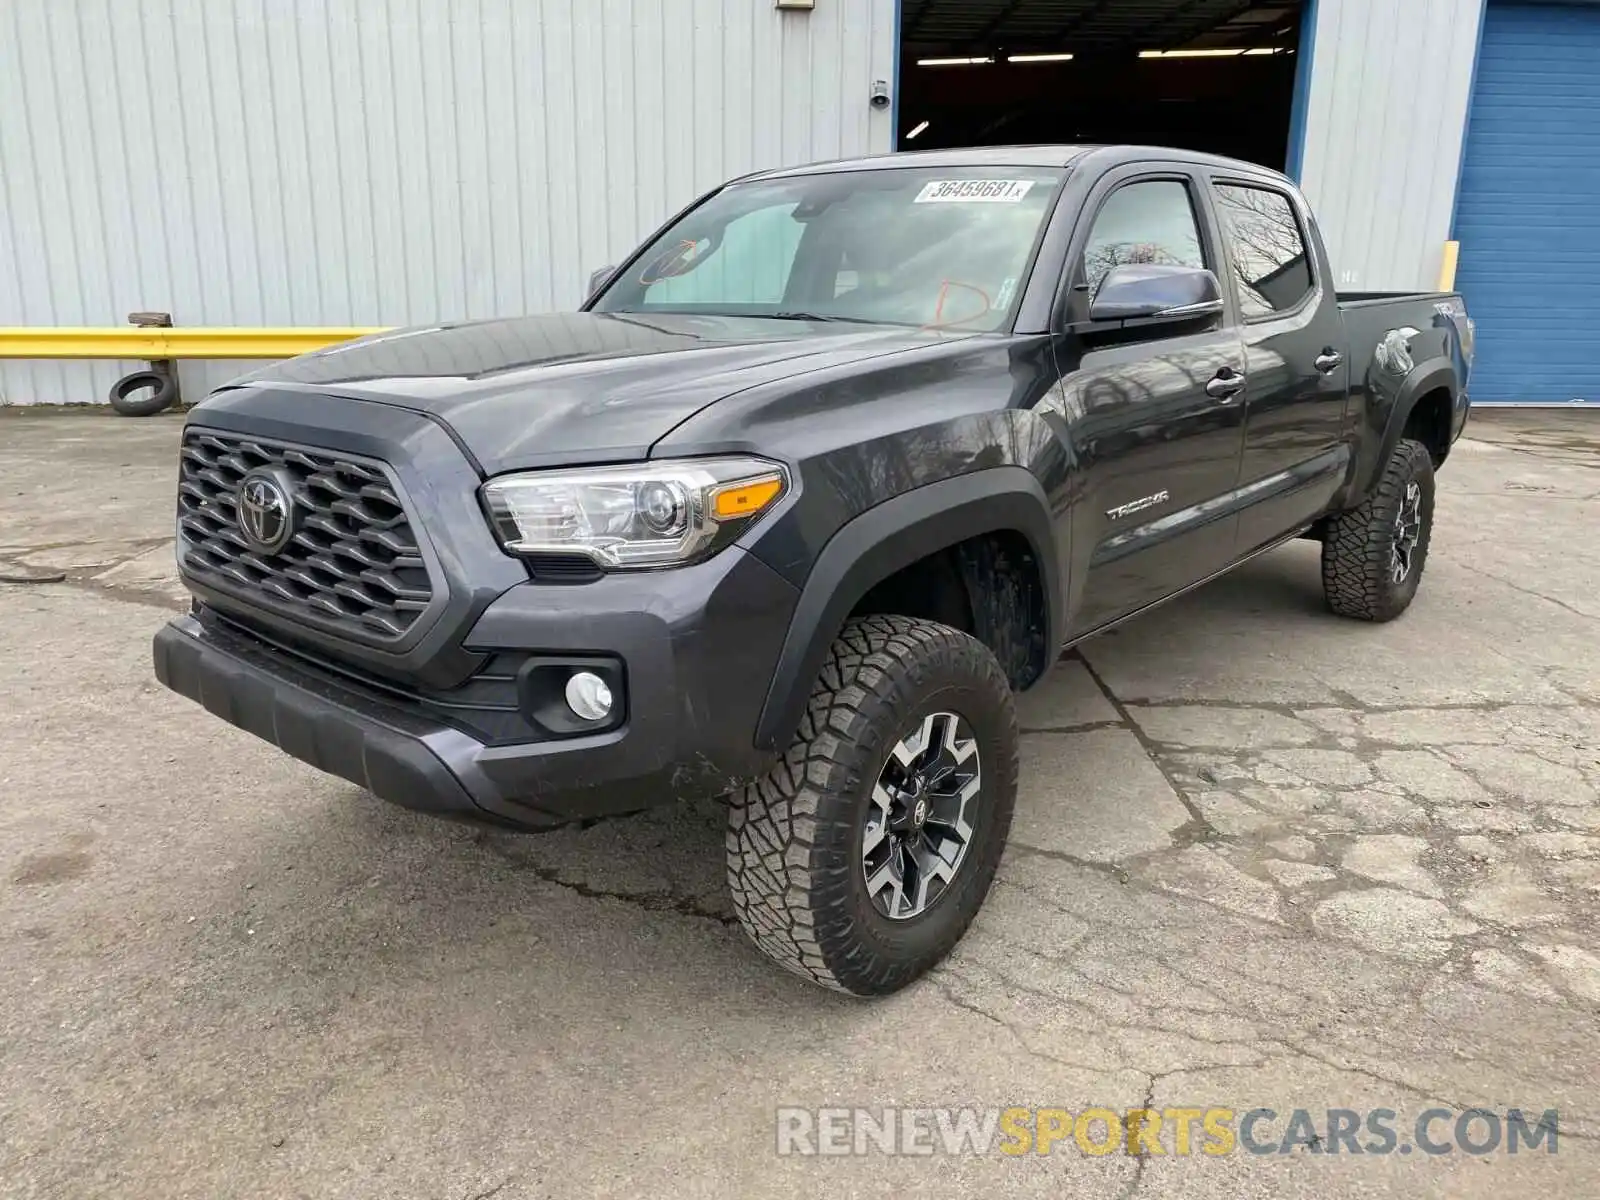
(1528,208)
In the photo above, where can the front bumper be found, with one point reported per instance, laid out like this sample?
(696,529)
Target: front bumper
(698,646)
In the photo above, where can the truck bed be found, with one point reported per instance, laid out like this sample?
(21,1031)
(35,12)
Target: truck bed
(1387,332)
(1437,320)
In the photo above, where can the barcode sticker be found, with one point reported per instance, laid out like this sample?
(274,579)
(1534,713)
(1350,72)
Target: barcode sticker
(973,191)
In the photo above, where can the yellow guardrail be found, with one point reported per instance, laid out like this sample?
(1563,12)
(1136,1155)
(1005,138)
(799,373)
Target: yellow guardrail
(155,342)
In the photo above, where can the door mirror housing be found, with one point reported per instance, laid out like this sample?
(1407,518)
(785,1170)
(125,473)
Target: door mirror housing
(597,280)
(1156,292)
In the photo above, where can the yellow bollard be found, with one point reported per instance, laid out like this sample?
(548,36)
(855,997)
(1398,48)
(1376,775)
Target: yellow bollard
(1447,267)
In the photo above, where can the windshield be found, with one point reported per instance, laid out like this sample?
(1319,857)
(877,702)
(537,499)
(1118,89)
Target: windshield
(939,247)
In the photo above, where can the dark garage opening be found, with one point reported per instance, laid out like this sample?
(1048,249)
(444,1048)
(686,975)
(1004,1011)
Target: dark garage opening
(1212,75)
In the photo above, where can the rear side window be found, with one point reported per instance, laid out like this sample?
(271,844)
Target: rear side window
(1149,222)
(1265,247)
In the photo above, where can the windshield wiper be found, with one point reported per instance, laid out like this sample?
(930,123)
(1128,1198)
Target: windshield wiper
(788,315)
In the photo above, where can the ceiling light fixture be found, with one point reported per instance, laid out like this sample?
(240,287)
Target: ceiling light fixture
(920,127)
(953,62)
(1030,58)
(1230,52)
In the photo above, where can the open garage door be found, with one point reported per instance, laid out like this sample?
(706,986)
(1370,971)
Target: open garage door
(1212,75)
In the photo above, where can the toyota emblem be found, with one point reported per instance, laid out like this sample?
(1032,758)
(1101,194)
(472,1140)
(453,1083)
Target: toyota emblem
(265,510)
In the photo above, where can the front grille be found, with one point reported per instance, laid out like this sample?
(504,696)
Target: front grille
(353,567)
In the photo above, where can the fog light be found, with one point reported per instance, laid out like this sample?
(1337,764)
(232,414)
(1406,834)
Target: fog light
(588,696)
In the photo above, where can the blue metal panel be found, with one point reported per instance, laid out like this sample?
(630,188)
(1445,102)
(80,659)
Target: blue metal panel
(1302,90)
(894,78)
(1528,211)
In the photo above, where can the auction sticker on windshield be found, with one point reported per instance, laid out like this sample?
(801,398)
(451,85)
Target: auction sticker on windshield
(983,191)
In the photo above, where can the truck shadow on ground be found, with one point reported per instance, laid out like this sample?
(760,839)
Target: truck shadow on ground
(360,894)
(1286,582)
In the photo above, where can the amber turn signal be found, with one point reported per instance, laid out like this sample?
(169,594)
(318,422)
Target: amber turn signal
(745,499)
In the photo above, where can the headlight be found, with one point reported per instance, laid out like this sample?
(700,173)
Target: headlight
(656,514)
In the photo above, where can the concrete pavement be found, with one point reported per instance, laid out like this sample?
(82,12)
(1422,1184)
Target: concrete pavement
(1262,858)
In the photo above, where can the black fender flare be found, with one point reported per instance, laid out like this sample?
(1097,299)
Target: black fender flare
(1430,375)
(887,538)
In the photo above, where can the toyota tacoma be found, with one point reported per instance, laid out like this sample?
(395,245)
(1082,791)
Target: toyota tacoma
(832,466)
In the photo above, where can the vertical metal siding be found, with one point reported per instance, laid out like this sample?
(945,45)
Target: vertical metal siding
(1390,82)
(384,162)
(1528,216)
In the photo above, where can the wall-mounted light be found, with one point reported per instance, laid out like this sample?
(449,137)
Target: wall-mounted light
(801,4)
(1031,58)
(918,129)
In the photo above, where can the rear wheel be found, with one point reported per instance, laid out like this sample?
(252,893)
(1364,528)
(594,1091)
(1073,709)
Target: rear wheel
(1373,555)
(862,857)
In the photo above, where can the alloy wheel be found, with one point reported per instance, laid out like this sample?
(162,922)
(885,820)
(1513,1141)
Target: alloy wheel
(1407,532)
(919,828)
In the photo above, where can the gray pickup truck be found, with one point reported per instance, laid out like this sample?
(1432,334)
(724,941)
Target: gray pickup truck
(832,465)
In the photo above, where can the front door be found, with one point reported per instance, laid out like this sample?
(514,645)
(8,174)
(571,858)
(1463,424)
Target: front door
(1152,418)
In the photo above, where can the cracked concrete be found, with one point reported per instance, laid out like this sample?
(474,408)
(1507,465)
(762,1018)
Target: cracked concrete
(1261,858)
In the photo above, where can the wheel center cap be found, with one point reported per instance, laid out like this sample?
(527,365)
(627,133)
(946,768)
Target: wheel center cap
(919,812)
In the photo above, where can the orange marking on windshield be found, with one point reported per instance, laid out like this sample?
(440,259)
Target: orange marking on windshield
(945,285)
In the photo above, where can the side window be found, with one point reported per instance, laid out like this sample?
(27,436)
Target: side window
(1265,247)
(751,265)
(1151,222)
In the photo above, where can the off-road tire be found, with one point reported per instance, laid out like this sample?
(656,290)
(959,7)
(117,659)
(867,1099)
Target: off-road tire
(794,837)
(1358,548)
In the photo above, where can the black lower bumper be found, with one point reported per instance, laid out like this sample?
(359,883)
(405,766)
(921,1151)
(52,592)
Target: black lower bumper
(389,752)
(692,704)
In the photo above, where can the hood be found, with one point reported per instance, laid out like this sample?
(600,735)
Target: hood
(569,388)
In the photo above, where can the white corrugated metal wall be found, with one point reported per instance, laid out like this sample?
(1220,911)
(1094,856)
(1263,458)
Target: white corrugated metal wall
(384,162)
(1390,81)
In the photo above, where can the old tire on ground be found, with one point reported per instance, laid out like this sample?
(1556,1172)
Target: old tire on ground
(1373,555)
(862,857)
(164,392)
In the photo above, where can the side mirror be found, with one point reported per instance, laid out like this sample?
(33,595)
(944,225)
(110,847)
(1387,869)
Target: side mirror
(1154,291)
(598,280)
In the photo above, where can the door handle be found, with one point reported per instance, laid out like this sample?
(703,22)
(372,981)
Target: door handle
(1225,384)
(1328,360)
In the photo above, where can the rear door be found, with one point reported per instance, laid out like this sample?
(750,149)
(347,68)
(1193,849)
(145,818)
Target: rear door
(1151,418)
(1295,454)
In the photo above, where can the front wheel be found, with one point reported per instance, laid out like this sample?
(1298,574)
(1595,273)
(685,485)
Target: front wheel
(1373,555)
(862,857)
